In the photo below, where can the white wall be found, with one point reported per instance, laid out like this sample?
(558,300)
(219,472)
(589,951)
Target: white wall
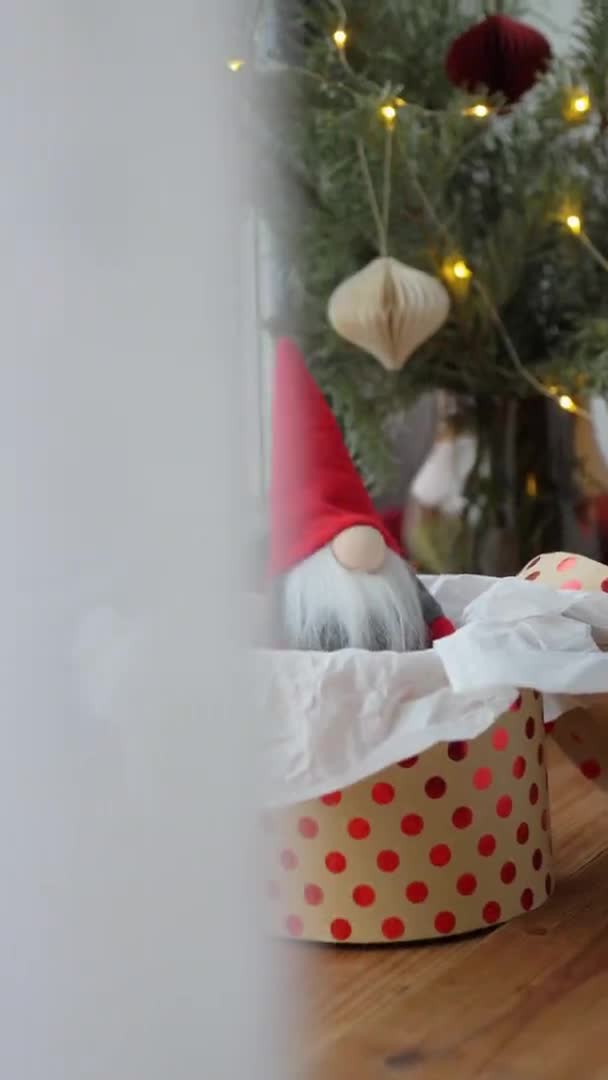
(554,18)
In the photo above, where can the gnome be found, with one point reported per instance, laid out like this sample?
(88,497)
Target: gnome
(339,576)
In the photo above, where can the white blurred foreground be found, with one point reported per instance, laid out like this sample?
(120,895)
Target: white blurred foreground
(127,904)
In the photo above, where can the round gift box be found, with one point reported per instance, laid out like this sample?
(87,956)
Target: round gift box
(454,840)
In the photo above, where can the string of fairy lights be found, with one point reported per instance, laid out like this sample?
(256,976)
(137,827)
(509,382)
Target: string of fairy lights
(577,107)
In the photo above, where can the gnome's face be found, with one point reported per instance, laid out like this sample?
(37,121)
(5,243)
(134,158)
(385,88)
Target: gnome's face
(353,593)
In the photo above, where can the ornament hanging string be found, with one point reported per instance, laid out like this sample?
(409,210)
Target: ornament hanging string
(386,187)
(381,219)
(371,194)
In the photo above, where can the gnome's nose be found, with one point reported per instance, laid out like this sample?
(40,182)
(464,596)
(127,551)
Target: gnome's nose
(360,548)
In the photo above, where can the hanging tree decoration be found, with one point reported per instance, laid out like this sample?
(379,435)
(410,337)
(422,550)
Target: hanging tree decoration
(389,309)
(500,53)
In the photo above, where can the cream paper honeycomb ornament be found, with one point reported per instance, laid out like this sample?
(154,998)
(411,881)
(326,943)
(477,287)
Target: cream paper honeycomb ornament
(389,309)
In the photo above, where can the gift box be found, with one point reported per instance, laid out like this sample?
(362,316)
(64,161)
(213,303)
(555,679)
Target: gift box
(408,792)
(445,842)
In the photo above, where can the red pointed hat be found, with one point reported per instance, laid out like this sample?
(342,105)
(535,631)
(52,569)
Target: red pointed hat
(315,490)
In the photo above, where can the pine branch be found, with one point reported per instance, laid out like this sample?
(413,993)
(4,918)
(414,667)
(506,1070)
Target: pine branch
(491,191)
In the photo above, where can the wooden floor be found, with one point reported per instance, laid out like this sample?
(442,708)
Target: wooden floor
(529,1000)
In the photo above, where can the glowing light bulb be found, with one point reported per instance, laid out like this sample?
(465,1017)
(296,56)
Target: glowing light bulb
(340,38)
(388,114)
(480,111)
(461,271)
(235,65)
(574,223)
(577,105)
(531,486)
(566,402)
(581,104)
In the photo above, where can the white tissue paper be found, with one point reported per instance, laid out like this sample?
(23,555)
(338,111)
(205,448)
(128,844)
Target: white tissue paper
(331,719)
(550,640)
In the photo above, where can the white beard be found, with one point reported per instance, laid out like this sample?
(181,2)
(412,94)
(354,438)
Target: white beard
(325,607)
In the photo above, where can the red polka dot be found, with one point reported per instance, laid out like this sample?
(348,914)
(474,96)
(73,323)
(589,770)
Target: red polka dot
(417,892)
(440,855)
(393,928)
(534,794)
(527,899)
(445,922)
(436,787)
(387,861)
(273,890)
(508,872)
(359,828)
(519,767)
(491,912)
(335,862)
(540,753)
(383,793)
(544,820)
(549,726)
(516,706)
(566,564)
(482,778)
(533,576)
(289,859)
(457,751)
(364,895)
(486,845)
(530,727)
(466,884)
(537,859)
(462,817)
(504,806)
(604,585)
(313,895)
(341,929)
(500,738)
(308,827)
(408,762)
(332,799)
(574,585)
(294,926)
(548,885)
(523,833)
(590,768)
(412,824)
(533,562)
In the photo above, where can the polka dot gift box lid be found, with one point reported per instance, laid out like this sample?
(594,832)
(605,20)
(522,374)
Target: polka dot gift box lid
(451,835)
(582,730)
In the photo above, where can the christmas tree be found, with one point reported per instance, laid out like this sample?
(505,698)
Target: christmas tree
(455,144)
